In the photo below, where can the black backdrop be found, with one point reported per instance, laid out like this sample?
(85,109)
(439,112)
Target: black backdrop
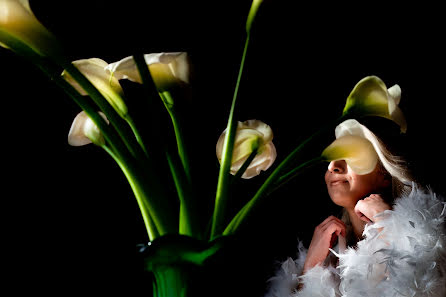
(71,224)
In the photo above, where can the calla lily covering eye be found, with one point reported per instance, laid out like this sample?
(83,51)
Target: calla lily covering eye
(370,97)
(84,131)
(167,69)
(251,135)
(22,32)
(357,152)
(94,70)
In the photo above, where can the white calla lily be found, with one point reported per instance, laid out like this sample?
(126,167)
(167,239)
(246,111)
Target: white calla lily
(21,31)
(370,97)
(84,131)
(358,152)
(358,146)
(167,69)
(94,70)
(250,135)
(388,160)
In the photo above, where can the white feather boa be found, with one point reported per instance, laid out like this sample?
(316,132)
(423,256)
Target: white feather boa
(404,254)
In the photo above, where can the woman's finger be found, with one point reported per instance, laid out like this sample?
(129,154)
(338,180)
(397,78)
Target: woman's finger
(360,210)
(328,221)
(335,228)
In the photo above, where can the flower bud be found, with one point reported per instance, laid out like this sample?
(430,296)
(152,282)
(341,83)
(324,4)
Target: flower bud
(109,87)
(252,14)
(250,135)
(84,131)
(167,69)
(22,32)
(370,97)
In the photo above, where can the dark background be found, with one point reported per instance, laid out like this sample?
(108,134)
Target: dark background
(71,223)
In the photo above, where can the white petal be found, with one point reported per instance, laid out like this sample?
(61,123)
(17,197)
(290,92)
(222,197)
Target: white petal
(81,127)
(164,58)
(94,69)
(357,151)
(249,133)
(177,63)
(262,161)
(125,69)
(76,136)
(349,127)
(353,127)
(267,132)
(395,93)
(398,117)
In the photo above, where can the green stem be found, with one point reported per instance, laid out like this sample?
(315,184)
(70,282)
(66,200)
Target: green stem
(182,152)
(226,161)
(145,75)
(276,174)
(138,137)
(143,204)
(187,224)
(295,172)
(244,212)
(171,281)
(244,166)
(121,155)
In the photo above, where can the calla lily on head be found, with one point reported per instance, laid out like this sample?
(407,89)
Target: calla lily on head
(250,135)
(22,32)
(94,70)
(352,144)
(84,131)
(370,97)
(167,69)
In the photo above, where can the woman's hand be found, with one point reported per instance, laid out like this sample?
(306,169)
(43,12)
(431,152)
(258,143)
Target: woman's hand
(324,237)
(372,205)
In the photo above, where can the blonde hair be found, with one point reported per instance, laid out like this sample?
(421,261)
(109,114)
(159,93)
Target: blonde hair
(393,165)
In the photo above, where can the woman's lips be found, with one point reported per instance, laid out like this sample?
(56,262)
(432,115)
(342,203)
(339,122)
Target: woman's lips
(338,182)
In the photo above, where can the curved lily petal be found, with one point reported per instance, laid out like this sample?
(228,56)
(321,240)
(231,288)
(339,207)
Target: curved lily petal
(21,31)
(94,70)
(250,135)
(84,131)
(167,69)
(370,97)
(358,152)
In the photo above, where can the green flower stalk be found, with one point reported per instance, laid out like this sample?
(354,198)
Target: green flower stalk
(168,71)
(171,71)
(226,160)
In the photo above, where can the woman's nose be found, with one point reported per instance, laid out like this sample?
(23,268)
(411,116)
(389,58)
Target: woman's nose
(337,166)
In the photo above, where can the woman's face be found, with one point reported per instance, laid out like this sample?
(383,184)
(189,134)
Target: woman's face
(346,187)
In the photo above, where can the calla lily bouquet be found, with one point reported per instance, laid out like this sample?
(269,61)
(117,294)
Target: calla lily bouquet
(244,149)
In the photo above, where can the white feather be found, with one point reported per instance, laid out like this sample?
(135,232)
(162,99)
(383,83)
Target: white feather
(404,254)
